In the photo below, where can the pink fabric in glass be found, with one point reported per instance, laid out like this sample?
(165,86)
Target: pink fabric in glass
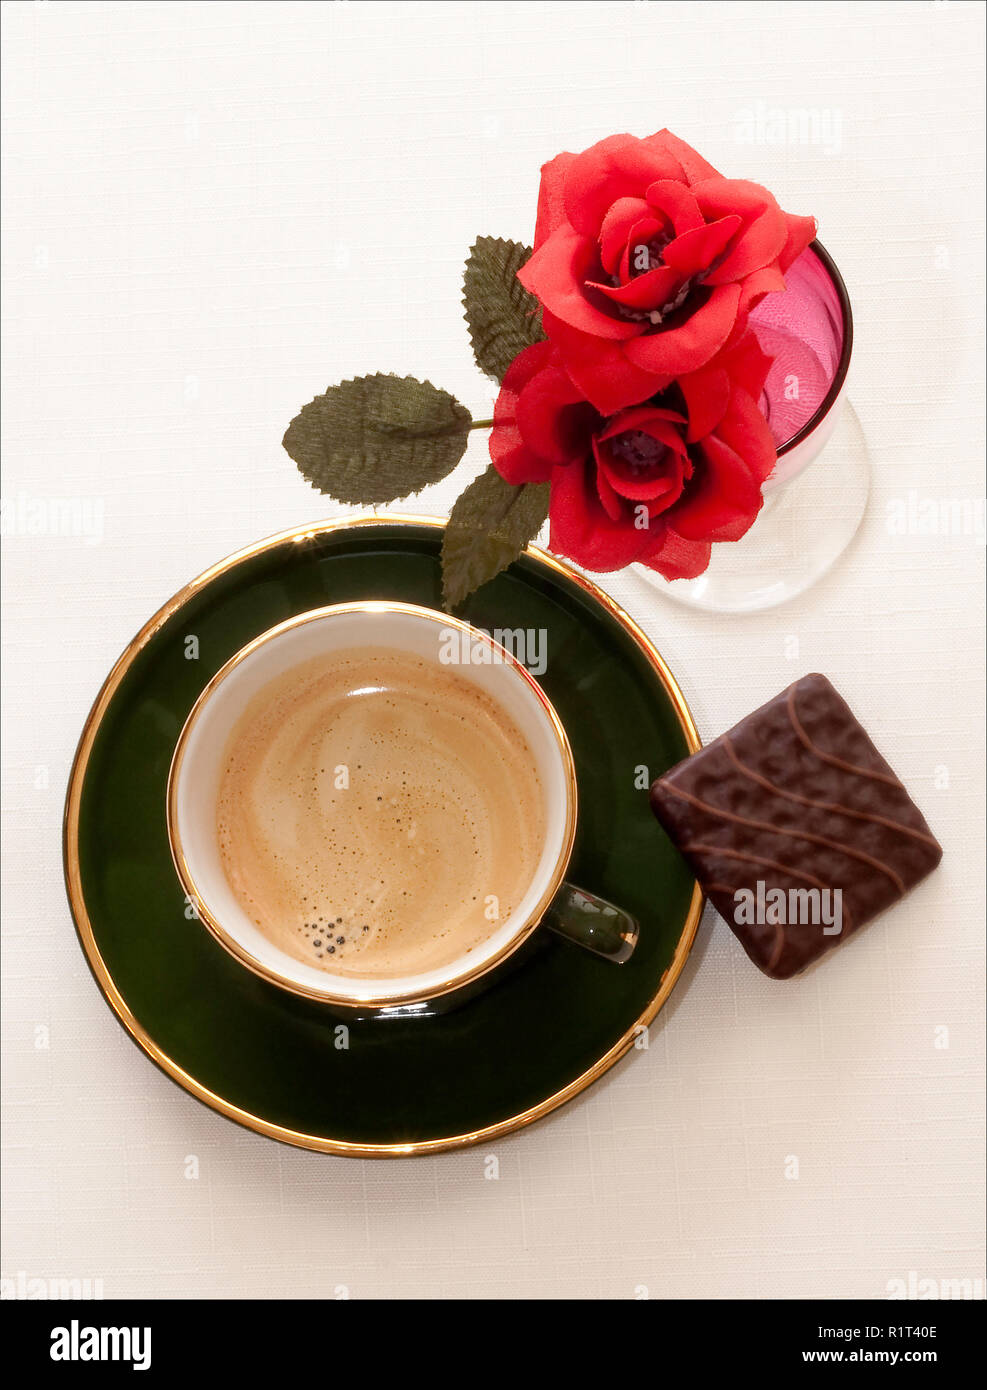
(802,329)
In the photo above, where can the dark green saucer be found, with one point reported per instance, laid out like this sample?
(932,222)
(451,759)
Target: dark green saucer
(548,1023)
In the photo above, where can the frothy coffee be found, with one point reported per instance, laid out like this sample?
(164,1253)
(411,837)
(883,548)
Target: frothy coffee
(378,815)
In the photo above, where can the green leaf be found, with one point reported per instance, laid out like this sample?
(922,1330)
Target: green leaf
(490,525)
(378,437)
(503,317)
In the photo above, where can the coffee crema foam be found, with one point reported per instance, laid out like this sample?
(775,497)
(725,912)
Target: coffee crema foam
(371,806)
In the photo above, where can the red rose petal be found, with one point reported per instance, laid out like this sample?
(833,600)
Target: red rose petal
(674,201)
(643,233)
(528,361)
(745,430)
(723,498)
(509,453)
(556,273)
(555,420)
(746,363)
(639,417)
(694,167)
(707,395)
(692,343)
(661,488)
(582,529)
(800,232)
(512,458)
(764,231)
(625,214)
(609,500)
(551,209)
(621,166)
(697,250)
(650,290)
(600,369)
(676,558)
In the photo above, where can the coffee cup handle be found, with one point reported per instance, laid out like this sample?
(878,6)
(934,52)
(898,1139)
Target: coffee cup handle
(593,923)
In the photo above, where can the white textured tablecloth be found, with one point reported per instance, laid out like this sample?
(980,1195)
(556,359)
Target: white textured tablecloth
(213,211)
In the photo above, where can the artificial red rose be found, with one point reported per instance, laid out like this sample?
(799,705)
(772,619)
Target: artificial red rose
(647,262)
(656,483)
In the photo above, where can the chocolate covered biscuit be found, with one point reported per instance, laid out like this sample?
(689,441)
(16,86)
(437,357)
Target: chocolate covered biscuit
(796,828)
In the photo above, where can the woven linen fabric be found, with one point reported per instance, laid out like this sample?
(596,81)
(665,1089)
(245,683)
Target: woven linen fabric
(214,211)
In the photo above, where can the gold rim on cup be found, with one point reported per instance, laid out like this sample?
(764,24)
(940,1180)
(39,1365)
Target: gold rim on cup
(368,1000)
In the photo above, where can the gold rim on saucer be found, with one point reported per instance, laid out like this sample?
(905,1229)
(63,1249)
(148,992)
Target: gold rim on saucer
(116,1001)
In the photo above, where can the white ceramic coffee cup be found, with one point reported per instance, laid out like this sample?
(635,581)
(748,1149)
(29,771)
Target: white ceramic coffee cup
(193,787)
